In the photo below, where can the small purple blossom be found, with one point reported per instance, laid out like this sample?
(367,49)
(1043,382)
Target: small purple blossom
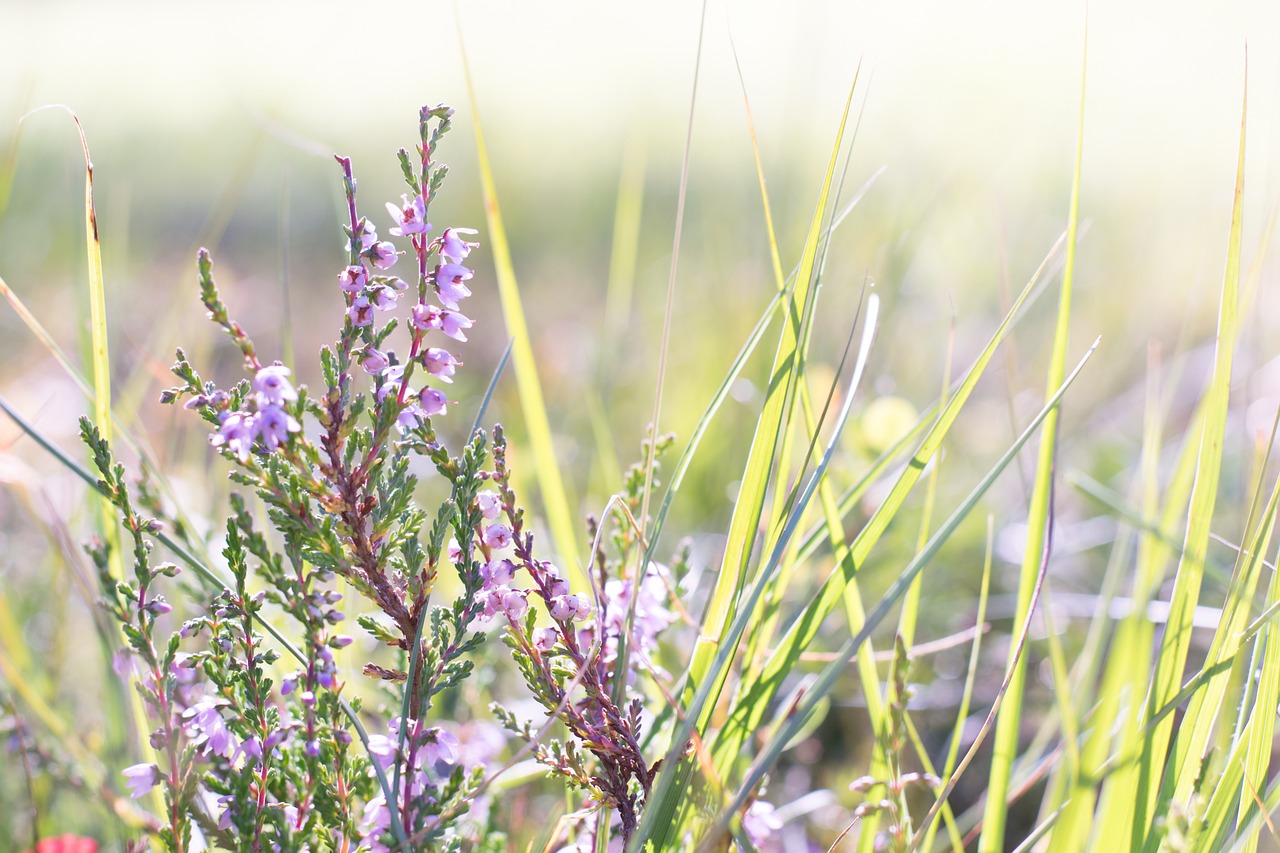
(411,218)
(452,323)
(426,317)
(449,284)
(489,504)
(410,416)
(274,425)
(383,297)
(454,247)
(353,279)
(439,747)
(440,363)
(544,639)
(360,312)
(236,432)
(497,536)
(761,824)
(207,730)
(433,402)
(158,606)
(497,573)
(273,387)
(383,255)
(374,361)
(142,778)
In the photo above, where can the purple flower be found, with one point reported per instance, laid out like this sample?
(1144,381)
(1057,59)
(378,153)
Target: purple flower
(440,363)
(142,778)
(274,425)
(205,726)
(489,504)
(544,639)
(514,603)
(410,416)
(760,824)
(426,317)
(497,573)
(353,279)
(158,606)
(452,323)
(411,218)
(497,536)
(383,297)
(374,361)
(236,433)
(433,402)
(272,386)
(383,255)
(439,747)
(449,284)
(360,312)
(453,247)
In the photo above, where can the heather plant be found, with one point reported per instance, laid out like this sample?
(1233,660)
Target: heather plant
(254,764)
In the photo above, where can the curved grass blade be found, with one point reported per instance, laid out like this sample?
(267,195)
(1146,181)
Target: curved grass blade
(665,801)
(1186,590)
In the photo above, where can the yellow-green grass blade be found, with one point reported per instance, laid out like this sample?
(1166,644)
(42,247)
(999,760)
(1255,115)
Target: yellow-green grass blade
(1262,722)
(930,828)
(784,375)
(786,728)
(560,519)
(1009,722)
(747,713)
(1186,590)
(1217,697)
(668,796)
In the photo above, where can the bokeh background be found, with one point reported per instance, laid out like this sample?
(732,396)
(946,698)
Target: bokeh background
(215,126)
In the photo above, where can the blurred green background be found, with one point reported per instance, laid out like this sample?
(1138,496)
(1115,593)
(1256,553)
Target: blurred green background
(215,126)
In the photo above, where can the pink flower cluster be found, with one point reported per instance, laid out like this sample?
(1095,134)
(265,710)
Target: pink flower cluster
(266,422)
(432,754)
(379,294)
(497,595)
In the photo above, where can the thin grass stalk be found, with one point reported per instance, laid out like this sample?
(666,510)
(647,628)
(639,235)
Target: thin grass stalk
(1186,590)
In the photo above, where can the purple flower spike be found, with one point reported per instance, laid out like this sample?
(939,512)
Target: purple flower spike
(449,283)
(274,425)
(383,255)
(353,279)
(142,778)
(452,323)
(236,433)
(454,247)
(440,363)
(411,218)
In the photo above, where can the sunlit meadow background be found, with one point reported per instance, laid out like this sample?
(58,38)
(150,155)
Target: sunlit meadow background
(215,126)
